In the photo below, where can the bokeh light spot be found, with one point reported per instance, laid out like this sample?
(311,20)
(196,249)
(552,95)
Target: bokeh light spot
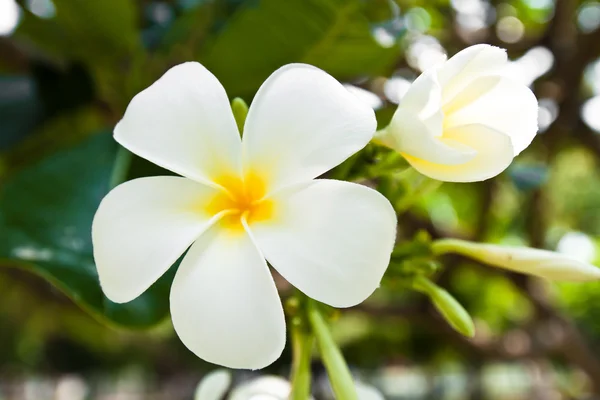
(10,13)
(510,29)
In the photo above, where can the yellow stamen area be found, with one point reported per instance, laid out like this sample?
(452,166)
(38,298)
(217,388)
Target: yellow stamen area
(242,198)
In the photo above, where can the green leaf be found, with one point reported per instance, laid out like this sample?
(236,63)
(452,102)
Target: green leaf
(332,34)
(46,212)
(20,108)
(91,31)
(26,102)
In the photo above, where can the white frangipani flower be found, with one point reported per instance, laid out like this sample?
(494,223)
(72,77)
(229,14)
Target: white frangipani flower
(214,386)
(543,263)
(239,202)
(464,121)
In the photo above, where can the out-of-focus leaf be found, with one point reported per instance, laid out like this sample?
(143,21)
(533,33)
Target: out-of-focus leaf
(63,90)
(529,177)
(60,132)
(46,212)
(332,34)
(92,31)
(187,33)
(20,108)
(29,103)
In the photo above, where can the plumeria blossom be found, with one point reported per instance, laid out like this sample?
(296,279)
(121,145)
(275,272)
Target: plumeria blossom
(543,263)
(240,202)
(464,121)
(216,384)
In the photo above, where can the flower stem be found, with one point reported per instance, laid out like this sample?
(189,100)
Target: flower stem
(302,344)
(443,246)
(422,187)
(120,167)
(337,369)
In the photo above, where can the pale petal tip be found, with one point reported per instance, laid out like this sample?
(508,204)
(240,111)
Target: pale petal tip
(591,273)
(115,293)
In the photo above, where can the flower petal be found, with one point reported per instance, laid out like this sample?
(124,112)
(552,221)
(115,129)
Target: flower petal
(509,107)
(142,227)
(410,136)
(542,263)
(471,93)
(213,386)
(494,155)
(470,64)
(424,97)
(302,123)
(184,123)
(224,303)
(330,239)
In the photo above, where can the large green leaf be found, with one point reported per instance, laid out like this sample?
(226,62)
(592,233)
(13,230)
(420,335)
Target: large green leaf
(46,212)
(91,31)
(28,101)
(264,35)
(20,108)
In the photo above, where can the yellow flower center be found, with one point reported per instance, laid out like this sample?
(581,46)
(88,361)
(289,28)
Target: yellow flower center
(243,199)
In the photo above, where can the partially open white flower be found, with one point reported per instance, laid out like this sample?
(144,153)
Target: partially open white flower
(463,121)
(239,202)
(542,263)
(215,385)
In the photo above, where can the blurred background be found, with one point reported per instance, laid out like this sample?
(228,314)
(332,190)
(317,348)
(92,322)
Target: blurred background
(68,69)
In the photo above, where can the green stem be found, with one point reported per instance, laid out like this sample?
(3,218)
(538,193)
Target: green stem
(425,187)
(443,246)
(120,167)
(337,369)
(302,344)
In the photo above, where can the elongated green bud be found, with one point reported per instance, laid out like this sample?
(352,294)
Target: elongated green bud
(542,263)
(240,111)
(451,310)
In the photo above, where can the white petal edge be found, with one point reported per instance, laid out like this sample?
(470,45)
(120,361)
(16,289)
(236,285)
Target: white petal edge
(542,263)
(184,123)
(469,64)
(509,107)
(213,386)
(224,303)
(424,96)
(142,227)
(330,239)
(301,124)
(494,155)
